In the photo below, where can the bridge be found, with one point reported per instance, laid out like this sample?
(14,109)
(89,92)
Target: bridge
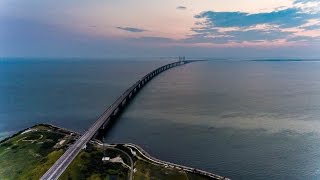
(100,125)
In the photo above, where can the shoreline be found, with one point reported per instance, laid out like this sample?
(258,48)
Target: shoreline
(133,150)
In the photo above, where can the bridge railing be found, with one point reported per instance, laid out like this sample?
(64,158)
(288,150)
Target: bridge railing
(125,94)
(135,86)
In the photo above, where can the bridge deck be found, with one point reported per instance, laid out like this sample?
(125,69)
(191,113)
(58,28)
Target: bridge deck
(63,162)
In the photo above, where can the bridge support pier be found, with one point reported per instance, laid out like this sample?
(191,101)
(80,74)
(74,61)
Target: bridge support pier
(103,123)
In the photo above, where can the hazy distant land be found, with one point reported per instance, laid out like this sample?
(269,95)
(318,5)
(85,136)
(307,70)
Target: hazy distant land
(275,60)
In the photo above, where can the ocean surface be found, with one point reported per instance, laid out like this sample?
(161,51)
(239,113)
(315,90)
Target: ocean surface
(239,119)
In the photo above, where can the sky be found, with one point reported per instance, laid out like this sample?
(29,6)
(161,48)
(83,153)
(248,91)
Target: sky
(144,28)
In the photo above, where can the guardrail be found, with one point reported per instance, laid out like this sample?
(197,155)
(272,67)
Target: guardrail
(63,162)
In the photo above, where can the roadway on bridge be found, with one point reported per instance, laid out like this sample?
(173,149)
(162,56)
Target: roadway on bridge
(64,161)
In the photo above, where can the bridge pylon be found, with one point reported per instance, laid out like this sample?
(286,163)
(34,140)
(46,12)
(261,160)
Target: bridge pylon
(182,59)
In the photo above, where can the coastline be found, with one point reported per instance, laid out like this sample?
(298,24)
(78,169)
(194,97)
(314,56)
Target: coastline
(135,154)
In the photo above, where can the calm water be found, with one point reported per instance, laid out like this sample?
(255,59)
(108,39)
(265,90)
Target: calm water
(68,93)
(241,119)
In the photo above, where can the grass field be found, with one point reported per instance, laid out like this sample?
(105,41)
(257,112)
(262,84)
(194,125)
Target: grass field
(88,165)
(147,170)
(30,153)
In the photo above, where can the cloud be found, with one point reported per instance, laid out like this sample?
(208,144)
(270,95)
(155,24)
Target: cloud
(312,27)
(304,1)
(238,27)
(181,8)
(132,29)
(237,36)
(291,17)
(304,39)
(152,39)
(309,6)
(258,35)
(203,39)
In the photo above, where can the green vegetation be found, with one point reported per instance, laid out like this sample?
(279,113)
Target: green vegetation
(28,155)
(89,165)
(147,170)
(197,177)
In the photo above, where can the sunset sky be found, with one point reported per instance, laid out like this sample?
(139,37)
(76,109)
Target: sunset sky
(144,28)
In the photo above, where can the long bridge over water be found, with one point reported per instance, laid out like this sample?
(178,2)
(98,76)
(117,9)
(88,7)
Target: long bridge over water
(100,125)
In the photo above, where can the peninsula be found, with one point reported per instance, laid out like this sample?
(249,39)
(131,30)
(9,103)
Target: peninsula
(28,154)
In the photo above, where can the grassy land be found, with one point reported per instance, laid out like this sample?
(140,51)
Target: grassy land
(88,165)
(197,177)
(29,155)
(147,170)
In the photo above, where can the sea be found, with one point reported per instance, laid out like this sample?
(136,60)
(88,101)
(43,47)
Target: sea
(243,119)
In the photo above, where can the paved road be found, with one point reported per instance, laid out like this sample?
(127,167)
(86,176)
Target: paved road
(63,162)
(172,165)
(131,161)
